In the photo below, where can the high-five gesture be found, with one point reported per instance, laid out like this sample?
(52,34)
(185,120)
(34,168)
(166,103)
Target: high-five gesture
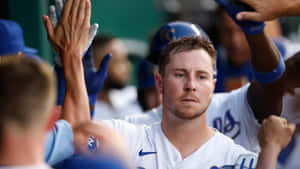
(55,12)
(72,31)
(269,9)
(69,39)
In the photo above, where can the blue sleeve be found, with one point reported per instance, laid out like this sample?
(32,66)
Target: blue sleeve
(59,143)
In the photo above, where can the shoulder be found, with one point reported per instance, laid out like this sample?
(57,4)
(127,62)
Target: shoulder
(229,100)
(147,118)
(227,145)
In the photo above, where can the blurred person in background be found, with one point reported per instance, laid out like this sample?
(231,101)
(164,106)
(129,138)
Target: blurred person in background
(28,93)
(60,136)
(116,99)
(148,96)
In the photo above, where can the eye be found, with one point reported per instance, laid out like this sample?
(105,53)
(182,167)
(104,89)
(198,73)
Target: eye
(203,77)
(179,74)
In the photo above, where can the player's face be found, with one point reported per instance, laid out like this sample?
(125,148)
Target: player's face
(188,84)
(119,67)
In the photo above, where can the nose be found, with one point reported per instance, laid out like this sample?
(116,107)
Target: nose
(190,84)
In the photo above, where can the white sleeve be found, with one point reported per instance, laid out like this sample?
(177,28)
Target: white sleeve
(231,114)
(148,118)
(249,124)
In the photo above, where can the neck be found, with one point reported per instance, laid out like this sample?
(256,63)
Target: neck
(23,149)
(186,135)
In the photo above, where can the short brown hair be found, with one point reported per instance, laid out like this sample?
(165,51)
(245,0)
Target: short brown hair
(28,92)
(183,45)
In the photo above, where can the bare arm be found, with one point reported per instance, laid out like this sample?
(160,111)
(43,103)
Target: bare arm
(270,9)
(264,99)
(69,39)
(274,135)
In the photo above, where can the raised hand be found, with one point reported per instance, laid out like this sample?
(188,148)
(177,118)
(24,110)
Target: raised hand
(71,34)
(235,6)
(269,9)
(55,14)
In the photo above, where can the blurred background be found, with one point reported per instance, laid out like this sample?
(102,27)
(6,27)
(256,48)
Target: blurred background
(134,21)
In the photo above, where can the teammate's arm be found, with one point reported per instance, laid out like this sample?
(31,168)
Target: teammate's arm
(268,67)
(69,39)
(265,97)
(274,135)
(70,45)
(269,9)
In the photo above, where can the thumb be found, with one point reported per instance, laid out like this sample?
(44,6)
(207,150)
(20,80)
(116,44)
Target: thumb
(252,16)
(104,64)
(292,127)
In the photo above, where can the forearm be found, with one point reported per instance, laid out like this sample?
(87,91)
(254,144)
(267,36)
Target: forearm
(293,8)
(265,94)
(265,56)
(268,158)
(76,104)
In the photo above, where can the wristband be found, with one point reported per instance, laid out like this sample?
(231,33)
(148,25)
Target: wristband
(270,77)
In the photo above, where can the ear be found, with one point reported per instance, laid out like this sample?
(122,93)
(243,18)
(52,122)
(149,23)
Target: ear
(214,83)
(55,114)
(158,82)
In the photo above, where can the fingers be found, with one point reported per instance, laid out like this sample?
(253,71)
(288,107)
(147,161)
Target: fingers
(52,15)
(66,11)
(87,13)
(104,64)
(59,7)
(292,128)
(74,10)
(253,16)
(92,33)
(81,12)
(49,27)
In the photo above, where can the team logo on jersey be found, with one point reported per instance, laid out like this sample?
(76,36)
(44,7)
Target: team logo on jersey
(143,153)
(227,125)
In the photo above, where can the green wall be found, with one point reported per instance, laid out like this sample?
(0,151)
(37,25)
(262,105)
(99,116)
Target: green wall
(28,14)
(130,18)
(125,19)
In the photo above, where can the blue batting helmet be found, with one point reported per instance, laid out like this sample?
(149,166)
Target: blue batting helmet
(170,32)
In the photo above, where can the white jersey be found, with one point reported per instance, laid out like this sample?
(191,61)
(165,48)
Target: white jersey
(124,102)
(150,148)
(227,112)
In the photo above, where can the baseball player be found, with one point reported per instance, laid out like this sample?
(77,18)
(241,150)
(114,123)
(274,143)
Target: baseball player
(193,86)
(61,135)
(186,83)
(236,114)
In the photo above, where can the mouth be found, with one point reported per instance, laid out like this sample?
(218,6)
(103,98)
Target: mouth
(188,100)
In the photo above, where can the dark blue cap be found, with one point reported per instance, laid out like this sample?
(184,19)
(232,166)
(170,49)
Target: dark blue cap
(12,41)
(170,32)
